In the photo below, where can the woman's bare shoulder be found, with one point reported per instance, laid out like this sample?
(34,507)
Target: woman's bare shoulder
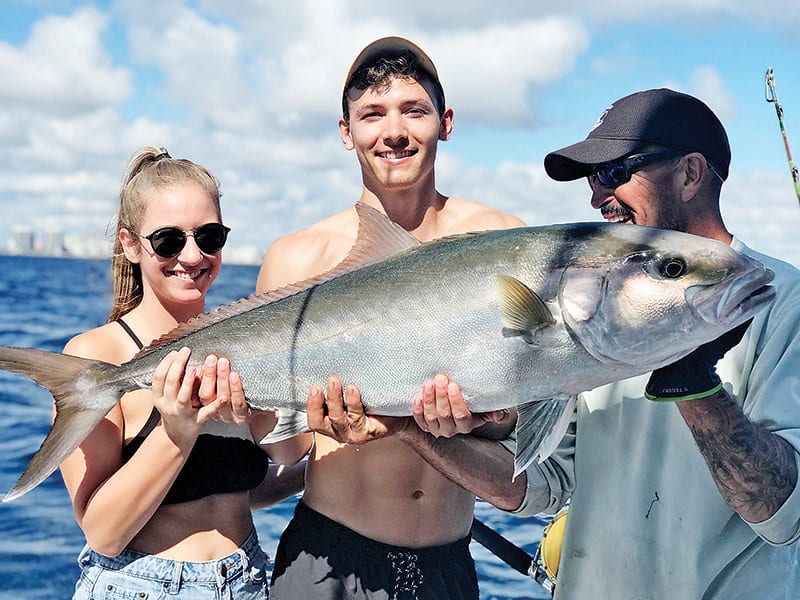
(104,343)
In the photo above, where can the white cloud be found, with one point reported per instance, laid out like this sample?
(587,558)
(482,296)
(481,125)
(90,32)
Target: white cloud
(201,63)
(252,89)
(761,208)
(708,85)
(63,67)
(489,72)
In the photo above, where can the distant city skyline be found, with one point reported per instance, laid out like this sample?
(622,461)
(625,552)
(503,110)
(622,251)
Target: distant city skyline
(27,240)
(30,240)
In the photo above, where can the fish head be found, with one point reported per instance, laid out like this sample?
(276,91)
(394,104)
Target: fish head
(647,297)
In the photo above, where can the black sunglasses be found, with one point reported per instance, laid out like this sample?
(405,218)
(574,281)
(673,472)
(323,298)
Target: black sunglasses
(169,241)
(616,172)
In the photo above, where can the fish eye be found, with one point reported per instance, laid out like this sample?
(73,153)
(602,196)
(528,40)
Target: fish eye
(672,267)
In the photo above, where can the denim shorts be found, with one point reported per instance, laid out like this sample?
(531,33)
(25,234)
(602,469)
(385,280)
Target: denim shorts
(133,575)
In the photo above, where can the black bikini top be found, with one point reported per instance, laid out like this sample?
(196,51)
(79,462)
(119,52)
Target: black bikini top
(129,331)
(217,464)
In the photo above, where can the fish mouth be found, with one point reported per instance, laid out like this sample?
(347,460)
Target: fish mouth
(740,298)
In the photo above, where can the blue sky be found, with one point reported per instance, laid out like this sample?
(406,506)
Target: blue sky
(251,89)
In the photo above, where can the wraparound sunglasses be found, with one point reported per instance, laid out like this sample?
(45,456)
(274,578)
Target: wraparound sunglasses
(169,241)
(616,172)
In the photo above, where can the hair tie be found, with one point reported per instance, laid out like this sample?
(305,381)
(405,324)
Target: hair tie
(164,154)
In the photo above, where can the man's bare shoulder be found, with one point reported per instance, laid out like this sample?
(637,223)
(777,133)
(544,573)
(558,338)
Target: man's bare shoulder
(467,215)
(308,252)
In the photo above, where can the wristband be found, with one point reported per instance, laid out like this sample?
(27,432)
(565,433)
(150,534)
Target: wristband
(682,397)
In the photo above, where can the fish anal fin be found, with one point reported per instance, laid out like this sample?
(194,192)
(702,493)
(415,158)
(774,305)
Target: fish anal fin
(522,312)
(540,426)
(290,423)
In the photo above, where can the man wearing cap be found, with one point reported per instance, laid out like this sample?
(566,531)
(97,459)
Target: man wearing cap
(685,479)
(378,520)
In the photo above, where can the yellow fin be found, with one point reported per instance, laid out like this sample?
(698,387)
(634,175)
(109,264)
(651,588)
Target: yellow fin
(522,312)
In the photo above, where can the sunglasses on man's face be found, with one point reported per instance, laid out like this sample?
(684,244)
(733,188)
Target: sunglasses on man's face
(169,241)
(616,172)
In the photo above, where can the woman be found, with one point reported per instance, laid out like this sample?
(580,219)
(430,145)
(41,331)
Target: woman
(159,488)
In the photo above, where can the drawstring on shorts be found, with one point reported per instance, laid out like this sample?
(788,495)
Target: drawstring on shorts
(407,575)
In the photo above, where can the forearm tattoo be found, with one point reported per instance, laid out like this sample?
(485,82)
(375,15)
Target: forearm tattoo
(754,469)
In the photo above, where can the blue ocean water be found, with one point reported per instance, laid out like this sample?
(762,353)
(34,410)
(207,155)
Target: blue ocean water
(44,302)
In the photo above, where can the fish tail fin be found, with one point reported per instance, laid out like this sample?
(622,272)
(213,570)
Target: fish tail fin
(290,423)
(540,426)
(79,405)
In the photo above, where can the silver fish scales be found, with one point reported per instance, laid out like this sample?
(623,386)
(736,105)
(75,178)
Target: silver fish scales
(525,317)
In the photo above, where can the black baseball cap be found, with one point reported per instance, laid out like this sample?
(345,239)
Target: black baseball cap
(659,117)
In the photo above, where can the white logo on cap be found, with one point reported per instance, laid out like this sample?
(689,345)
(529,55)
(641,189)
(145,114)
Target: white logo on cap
(601,118)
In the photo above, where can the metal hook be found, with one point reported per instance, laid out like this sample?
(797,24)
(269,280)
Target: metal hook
(769,87)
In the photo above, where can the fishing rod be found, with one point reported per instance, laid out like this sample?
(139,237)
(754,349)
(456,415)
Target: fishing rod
(511,554)
(772,96)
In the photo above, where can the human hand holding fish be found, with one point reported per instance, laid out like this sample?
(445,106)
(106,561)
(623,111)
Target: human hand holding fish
(694,376)
(218,381)
(442,411)
(176,397)
(439,409)
(339,414)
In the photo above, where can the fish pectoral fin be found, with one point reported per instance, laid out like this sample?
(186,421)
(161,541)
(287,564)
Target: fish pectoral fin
(522,312)
(540,426)
(526,336)
(290,423)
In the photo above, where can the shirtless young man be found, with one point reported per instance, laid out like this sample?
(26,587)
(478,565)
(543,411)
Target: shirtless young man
(378,520)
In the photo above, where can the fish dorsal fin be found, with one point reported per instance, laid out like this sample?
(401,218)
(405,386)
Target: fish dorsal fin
(220,314)
(522,312)
(378,237)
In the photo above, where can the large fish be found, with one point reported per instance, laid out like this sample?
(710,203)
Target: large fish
(525,317)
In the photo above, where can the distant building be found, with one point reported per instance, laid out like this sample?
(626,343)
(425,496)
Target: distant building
(22,242)
(27,242)
(89,246)
(53,244)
